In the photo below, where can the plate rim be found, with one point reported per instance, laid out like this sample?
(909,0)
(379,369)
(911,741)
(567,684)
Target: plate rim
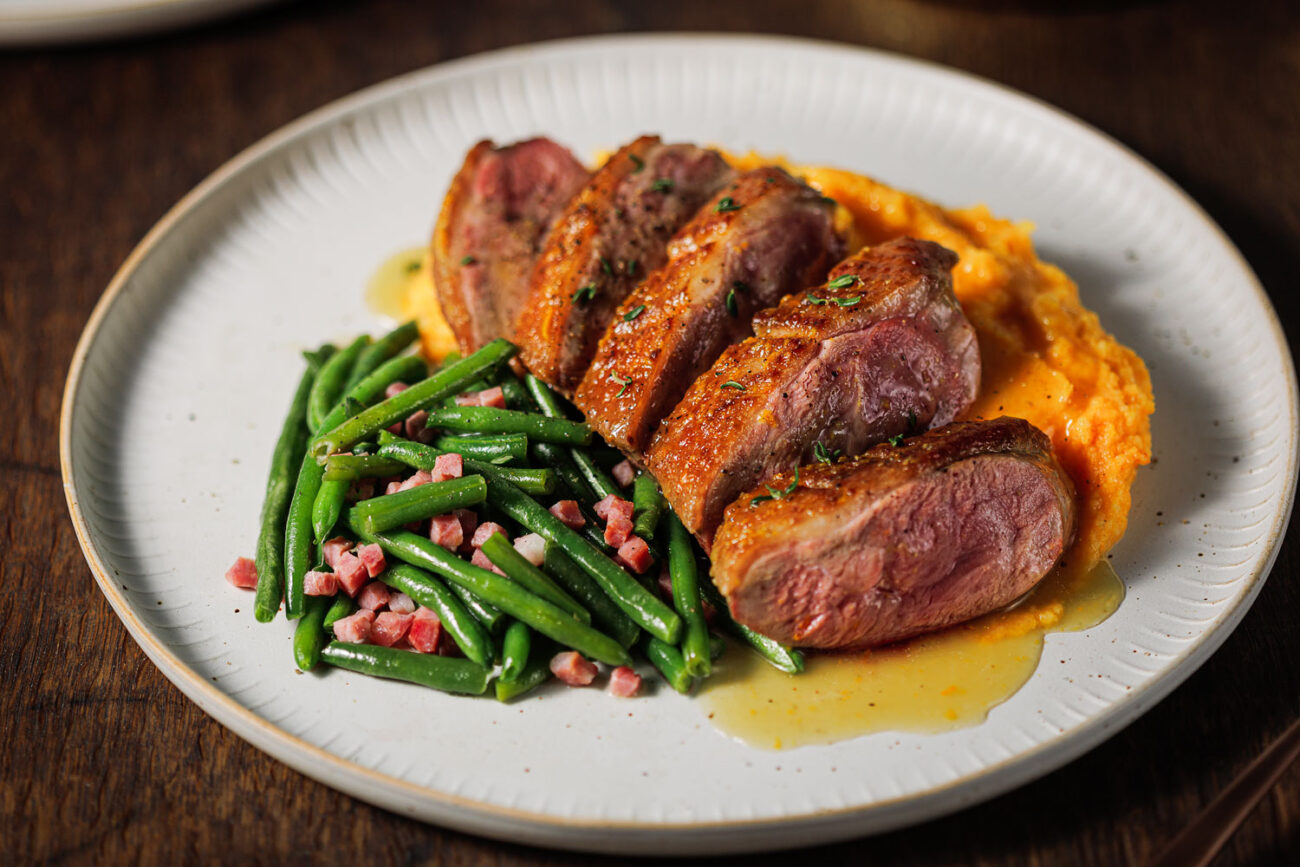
(474,815)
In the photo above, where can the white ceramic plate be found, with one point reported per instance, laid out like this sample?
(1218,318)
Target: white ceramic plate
(43,22)
(179,383)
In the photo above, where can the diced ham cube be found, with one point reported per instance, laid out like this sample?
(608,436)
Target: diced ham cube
(390,628)
(447,467)
(624,473)
(355,628)
(485,531)
(533,547)
(332,548)
(445,530)
(351,573)
(416,424)
(372,557)
(569,514)
(401,603)
(393,488)
(425,631)
(481,560)
(419,477)
(635,555)
(617,531)
(395,388)
(624,682)
(243,574)
(571,668)
(468,522)
(320,584)
(361,489)
(612,506)
(397,428)
(492,397)
(373,596)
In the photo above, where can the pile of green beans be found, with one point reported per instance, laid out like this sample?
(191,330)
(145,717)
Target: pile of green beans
(517,614)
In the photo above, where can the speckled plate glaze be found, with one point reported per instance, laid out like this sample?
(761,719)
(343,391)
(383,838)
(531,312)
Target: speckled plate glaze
(179,383)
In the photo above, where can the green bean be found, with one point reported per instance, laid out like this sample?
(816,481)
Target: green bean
(426,669)
(584,588)
(635,600)
(647,506)
(327,507)
(558,459)
(494,449)
(514,392)
(686,597)
(503,555)
(486,419)
(537,672)
(415,504)
(381,350)
(668,660)
(553,622)
(342,606)
(449,359)
(299,534)
(406,368)
(596,478)
(423,457)
(545,397)
(280,484)
(470,635)
(309,636)
(514,651)
(492,618)
(419,396)
(329,385)
(349,468)
(782,658)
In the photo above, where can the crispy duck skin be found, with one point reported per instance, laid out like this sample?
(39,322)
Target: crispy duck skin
(496,214)
(613,233)
(758,239)
(881,349)
(900,540)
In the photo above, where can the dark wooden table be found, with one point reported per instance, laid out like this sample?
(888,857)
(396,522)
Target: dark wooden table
(102,760)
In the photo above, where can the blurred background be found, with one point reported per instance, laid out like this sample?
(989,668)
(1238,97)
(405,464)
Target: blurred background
(107,118)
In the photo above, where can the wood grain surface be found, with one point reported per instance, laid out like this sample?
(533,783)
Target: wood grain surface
(103,761)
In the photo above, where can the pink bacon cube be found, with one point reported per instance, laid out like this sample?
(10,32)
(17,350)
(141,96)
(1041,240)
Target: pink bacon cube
(355,628)
(446,530)
(624,682)
(569,514)
(533,547)
(485,531)
(320,584)
(372,557)
(373,596)
(331,550)
(425,631)
(351,573)
(570,667)
(617,531)
(635,555)
(624,473)
(243,574)
(481,560)
(390,628)
(447,467)
(613,506)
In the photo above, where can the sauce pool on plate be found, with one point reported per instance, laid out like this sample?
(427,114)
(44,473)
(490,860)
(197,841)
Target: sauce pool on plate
(934,683)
